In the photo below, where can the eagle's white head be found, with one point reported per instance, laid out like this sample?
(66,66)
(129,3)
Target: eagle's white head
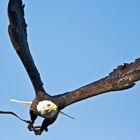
(47,109)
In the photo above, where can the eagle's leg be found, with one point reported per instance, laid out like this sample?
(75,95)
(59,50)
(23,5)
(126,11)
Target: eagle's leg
(44,127)
(33,118)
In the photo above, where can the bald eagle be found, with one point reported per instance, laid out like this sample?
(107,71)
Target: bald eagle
(45,105)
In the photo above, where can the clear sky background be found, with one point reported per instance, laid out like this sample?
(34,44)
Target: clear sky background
(74,43)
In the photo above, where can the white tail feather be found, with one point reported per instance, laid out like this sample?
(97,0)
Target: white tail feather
(29,104)
(22,102)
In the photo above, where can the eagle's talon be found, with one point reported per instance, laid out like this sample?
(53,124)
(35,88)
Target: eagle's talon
(46,129)
(31,127)
(38,132)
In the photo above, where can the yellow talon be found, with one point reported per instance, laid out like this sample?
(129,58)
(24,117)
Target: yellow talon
(38,132)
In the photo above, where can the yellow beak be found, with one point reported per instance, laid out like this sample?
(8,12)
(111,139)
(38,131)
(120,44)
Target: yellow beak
(53,107)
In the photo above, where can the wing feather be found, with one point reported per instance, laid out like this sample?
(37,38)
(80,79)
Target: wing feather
(123,77)
(18,35)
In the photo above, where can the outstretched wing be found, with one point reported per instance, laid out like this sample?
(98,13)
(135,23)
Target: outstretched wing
(123,77)
(18,35)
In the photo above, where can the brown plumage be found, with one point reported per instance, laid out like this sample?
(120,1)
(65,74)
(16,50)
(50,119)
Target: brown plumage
(123,77)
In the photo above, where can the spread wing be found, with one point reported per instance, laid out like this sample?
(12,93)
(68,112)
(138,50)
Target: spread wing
(18,35)
(123,77)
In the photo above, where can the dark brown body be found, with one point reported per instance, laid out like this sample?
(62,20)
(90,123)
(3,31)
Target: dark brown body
(34,114)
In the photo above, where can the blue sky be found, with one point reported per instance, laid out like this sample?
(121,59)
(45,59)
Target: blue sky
(74,43)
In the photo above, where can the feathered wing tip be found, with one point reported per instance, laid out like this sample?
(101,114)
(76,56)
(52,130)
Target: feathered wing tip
(21,102)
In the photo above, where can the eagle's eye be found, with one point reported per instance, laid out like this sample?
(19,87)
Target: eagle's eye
(48,104)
